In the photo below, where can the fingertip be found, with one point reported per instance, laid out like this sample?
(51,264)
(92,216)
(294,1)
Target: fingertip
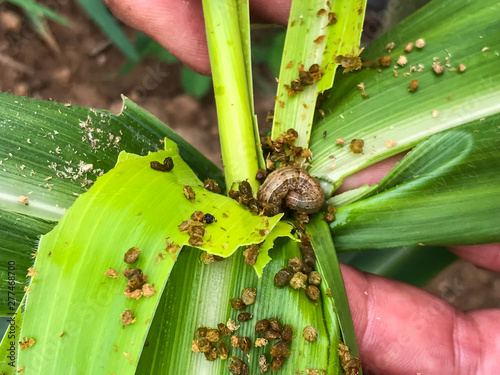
(370,175)
(485,256)
(176,25)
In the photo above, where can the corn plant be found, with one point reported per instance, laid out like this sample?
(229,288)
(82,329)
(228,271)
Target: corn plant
(83,179)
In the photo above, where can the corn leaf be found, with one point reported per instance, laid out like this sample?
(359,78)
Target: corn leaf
(198,295)
(336,304)
(52,153)
(391,112)
(19,235)
(9,343)
(450,181)
(318,31)
(228,36)
(415,265)
(132,205)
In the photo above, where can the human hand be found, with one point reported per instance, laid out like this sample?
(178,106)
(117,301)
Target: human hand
(400,329)
(178,25)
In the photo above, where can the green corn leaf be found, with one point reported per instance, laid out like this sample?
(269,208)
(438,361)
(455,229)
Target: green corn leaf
(282,229)
(336,305)
(228,36)
(198,295)
(9,344)
(19,235)
(53,152)
(391,112)
(98,12)
(449,183)
(415,265)
(318,31)
(132,205)
(47,151)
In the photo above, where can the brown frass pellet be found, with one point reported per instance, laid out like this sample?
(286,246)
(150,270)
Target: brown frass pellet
(295,264)
(263,364)
(313,292)
(329,218)
(274,324)
(201,332)
(197,216)
(211,185)
(132,255)
(245,191)
(287,333)
(357,145)
(385,61)
(238,367)
(213,335)
(314,278)
(212,354)
(262,326)
(128,317)
(283,277)
(308,254)
(166,166)
(237,304)
(224,331)
(224,351)
(235,341)
(310,333)
(248,296)
(136,279)
(189,193)
(261,174)
(244,317)
(413,85)
(168,163)
(245,344)
(276,363)
(204,345)
(298,281)
(272,335)
(280,349)
(234,194)
(251,253)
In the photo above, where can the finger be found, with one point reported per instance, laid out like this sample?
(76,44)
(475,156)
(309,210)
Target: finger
(404,330)
(176,25)
(371,175)
(485,256)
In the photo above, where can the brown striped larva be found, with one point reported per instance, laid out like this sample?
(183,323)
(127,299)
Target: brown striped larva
(293,187)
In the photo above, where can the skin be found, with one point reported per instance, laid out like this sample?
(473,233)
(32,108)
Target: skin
(400,329)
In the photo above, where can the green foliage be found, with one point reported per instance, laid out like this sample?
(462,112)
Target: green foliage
(130,206)
(449,178)
(195,84)
(391,112)
(268,50)
(37,14)
(109,25)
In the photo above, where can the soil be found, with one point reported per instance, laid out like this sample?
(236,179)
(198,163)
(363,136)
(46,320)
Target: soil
(81,69)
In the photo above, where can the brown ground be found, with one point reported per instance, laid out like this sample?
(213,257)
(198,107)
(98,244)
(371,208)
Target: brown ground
(84,73)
